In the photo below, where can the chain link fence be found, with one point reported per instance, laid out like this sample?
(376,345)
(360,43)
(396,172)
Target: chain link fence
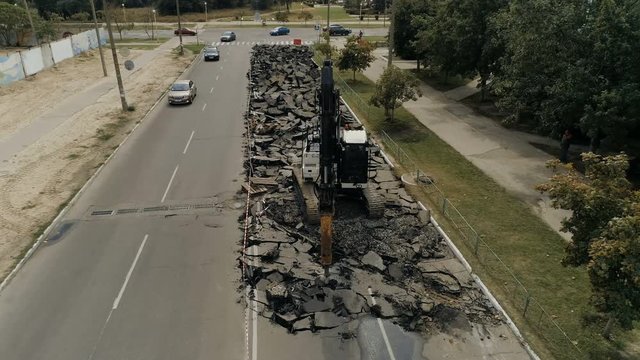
(515,293)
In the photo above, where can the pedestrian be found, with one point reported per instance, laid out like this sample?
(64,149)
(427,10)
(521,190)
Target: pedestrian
(360,35)
(564,145)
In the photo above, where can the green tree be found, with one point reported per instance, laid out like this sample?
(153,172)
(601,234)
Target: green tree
(539,79)
(613,63)
(14,20)
(355,56)
(614,268)
(594,199)
(328,51)
(394,87)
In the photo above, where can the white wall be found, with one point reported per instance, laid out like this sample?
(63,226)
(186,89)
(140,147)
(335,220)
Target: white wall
(32,61)
(61,50)
(10,68)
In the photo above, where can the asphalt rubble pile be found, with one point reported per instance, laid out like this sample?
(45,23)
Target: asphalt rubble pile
(400,260)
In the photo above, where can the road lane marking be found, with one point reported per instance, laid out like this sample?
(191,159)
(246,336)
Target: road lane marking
(211,91)
(384,332)
(126,279)
(188,142)
(220,67)
(204,106)
(217,77)
(169,185)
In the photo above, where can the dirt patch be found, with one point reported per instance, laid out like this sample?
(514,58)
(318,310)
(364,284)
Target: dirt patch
(40,179)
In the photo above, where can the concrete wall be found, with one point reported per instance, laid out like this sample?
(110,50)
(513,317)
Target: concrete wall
(15,66)
(10,68)
(32,61)
(61,50)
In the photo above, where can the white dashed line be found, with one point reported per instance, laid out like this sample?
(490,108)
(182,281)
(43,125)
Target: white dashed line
(384,332)
(169,185)
(188,142)
(116,302)
(204,106)
(217,77)
(211,91)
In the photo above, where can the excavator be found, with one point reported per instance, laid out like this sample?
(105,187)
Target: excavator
(335,160)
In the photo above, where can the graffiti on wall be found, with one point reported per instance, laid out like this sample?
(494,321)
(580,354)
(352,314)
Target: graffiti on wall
(10,68)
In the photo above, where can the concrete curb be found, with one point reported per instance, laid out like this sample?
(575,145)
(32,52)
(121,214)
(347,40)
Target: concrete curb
(71,202)
(482,286)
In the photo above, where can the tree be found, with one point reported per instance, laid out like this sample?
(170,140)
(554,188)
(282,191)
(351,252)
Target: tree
(14,20)
(539,79)
(614,267)
(605,228)
(326,50)
(601,195)
(305,16)
(356,55)
(394,87)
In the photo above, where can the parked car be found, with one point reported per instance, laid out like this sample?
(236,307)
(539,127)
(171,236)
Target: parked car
(185,31)
(211,53)
(228,36)
(182,92)
(280,30)
(337,30)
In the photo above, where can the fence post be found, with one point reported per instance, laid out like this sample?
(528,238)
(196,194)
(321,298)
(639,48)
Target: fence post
(526,305)
(444,206)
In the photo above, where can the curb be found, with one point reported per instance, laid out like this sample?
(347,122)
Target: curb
(483,287)
(75,197)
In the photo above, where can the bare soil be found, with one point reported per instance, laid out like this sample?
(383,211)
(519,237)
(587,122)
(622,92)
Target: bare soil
(36,184)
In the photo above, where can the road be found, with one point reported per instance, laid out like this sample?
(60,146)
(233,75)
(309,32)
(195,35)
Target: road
(144,264)
(154,275)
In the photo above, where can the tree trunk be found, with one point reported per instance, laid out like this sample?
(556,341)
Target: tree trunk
(386,111)
(393,110)
(483,89)
(418,64)
(594,143)
(354,75)
(446,77)
(606,333)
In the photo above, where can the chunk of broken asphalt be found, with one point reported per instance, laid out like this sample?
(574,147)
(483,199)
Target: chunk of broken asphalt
(373,260)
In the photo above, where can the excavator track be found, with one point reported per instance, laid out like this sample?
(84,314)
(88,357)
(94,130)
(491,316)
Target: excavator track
(374,202)
(306,197)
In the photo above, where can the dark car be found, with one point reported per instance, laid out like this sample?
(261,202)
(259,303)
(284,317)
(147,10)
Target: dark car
(228,36)
(337,30)
(211,53)
(280,30)
(185,31)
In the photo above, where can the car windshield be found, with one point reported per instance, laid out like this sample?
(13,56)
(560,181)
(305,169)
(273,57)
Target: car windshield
(180,87)
(210,50)
(227,33)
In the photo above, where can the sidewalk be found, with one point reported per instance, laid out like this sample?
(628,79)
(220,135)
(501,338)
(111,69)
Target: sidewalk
(16,142)
(504,155)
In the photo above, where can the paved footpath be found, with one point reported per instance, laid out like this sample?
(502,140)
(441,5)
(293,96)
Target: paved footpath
(505,155)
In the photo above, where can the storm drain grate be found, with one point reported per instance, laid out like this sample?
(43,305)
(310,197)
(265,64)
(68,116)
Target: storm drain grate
(126,211)
(179,207)
(155,208)
(203,206)
(102,212)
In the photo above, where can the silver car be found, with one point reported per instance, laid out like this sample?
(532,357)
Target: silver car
(182,92)
(228,36)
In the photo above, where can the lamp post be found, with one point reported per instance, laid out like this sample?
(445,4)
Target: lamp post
(124,13)
(361,11)
(384,14)
(206,15)
(153,24)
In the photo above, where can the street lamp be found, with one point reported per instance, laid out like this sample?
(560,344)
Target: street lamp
(152,24)
(361,11)
(206,15)
(124,13)
(179,27)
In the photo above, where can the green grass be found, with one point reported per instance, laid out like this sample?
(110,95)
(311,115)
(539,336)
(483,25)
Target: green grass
(336,14)
(521,239)
(194,48)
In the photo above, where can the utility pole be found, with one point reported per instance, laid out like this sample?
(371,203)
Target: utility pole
(152,25)
(328,29)
(384,14)
(180,27)
(95,23)
(33,28)
(123,99)
(392,21)
(124,13)
(206,15)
